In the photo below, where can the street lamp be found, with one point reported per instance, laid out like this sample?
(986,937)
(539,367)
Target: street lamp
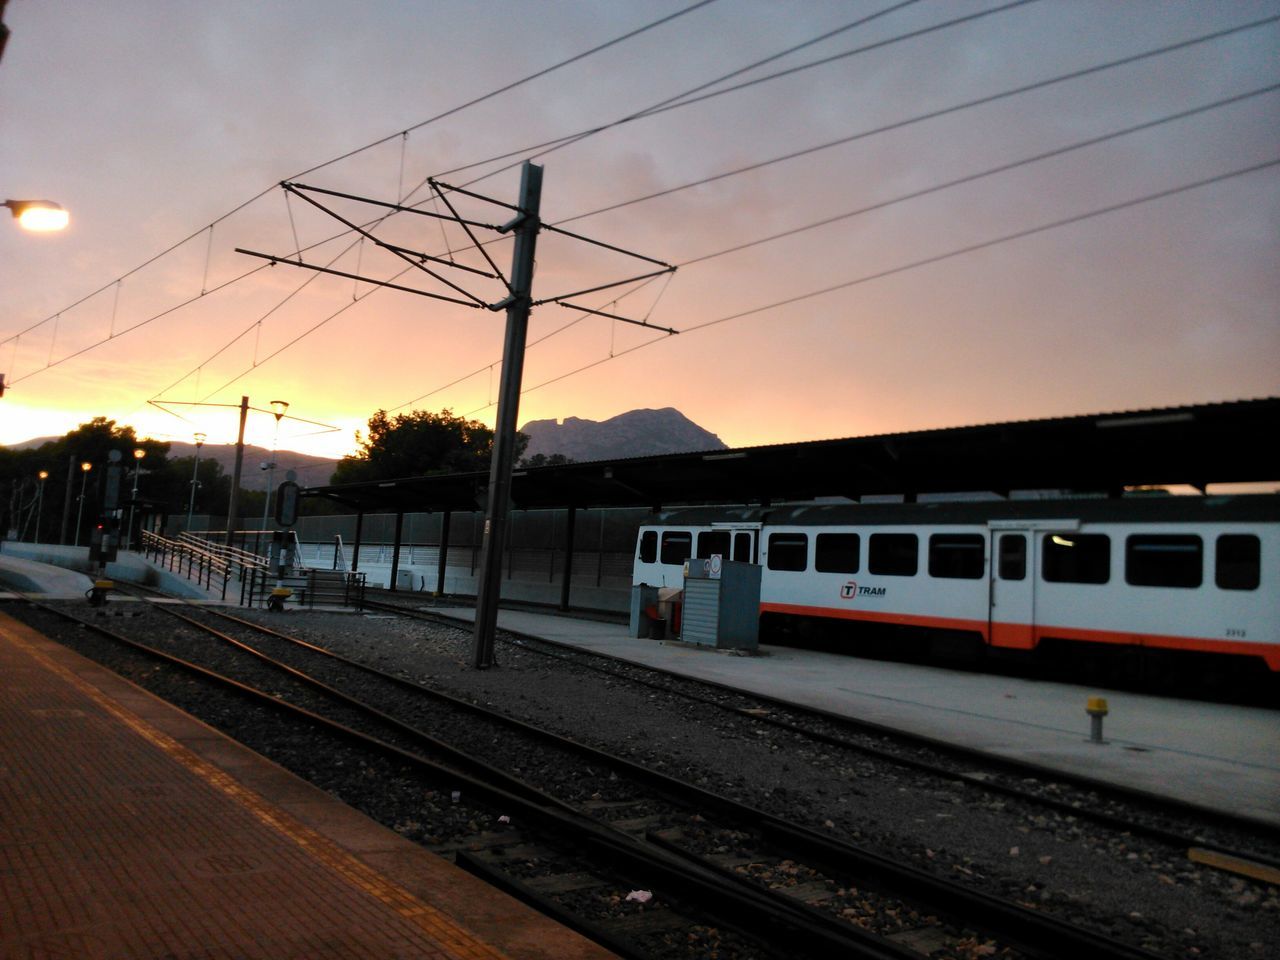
(195,482)
(39,216)
(138,454)
(278,410)
(85,467)
(43,475)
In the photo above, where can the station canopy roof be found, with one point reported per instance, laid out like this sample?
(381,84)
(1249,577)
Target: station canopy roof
(1196,445)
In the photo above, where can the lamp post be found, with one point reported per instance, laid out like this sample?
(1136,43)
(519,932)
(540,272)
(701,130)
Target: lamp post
(43,475)
(195,479)
(278,410)
(138,454)
(85,467)
(39,216)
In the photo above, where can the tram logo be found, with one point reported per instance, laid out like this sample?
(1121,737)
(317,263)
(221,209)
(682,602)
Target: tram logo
(850,590)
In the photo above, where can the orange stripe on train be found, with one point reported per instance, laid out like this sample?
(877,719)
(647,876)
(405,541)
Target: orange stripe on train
(1025,636)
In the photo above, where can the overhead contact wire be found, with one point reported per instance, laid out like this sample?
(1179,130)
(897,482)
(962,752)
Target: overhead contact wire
(351,153)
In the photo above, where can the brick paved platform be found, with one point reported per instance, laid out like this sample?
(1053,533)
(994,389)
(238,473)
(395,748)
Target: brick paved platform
(130,830)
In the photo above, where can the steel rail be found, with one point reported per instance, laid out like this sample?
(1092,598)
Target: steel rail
(1033,929)
(1012,765)
(760,913)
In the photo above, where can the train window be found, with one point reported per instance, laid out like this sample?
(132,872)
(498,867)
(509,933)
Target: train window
(676,545)
(1013,556)
(742,548)
(711,542)
(894,554)
(836,552)
(957,556)
(788,551)
(649,546)
(1239,565)
(1077,558)
(1164,560)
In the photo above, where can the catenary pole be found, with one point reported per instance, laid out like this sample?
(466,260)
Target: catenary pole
(235,477)
(525,227)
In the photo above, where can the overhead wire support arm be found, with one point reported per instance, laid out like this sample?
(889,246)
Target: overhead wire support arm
(396,207)
(614,316)
(607,246)
(397,251)
(448,263)
(472,237)
(440,186)
(275,258)
(605,286)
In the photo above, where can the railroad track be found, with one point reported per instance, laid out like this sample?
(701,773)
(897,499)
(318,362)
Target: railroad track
(693,846)
(1246,846)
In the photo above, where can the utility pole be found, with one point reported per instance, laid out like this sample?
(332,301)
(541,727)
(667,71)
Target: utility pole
(66,500)
(518,302)
(235,477)
(526,226)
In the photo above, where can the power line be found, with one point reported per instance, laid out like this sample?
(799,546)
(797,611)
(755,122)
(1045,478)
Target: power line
(915,194)
(930,115)
(688,98)
(990,171)
(927,261)
(700,87)
(1007,93)
(351,153)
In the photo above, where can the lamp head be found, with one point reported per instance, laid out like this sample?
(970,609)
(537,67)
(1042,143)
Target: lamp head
(39,216)
(200,438)
(43,474)
(139,453)
(86,466)
(279,408)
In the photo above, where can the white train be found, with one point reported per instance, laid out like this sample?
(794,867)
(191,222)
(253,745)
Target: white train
(1187,574)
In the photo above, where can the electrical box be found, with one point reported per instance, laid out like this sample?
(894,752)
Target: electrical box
(721,604)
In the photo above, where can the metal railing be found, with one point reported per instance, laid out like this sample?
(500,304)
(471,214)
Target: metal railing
(209,565)
(215,566)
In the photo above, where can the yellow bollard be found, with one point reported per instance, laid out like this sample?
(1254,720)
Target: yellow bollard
(1096,708)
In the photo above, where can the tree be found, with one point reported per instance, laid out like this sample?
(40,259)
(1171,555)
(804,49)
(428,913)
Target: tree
(89,443)
(419,444)
(543,460)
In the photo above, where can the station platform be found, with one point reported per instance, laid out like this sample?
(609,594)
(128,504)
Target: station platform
(128,829)
(1217,756)
(55,572)
(30,576)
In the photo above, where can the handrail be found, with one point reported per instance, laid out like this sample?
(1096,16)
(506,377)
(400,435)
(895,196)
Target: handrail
(203,559)
(207,561)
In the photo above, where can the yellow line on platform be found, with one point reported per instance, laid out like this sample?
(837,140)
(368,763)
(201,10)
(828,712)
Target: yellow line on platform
(439,926)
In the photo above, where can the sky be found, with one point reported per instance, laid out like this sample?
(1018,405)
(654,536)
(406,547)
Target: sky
(1043,289)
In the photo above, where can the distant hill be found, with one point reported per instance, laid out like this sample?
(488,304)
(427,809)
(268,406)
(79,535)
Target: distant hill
(312,471)
(637,433)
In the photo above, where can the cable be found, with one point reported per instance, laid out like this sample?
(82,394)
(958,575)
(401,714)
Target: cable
(703,86)
(919,118)
(991,171)
(688,98)
(376,143)
(971,248)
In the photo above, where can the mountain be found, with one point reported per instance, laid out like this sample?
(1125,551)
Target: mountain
(312,471)
(637,433)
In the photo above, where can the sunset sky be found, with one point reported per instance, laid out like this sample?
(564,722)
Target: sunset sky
(152,120)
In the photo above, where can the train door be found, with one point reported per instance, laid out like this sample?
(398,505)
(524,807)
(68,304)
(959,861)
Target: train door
(1011,615)
(730,541)
(743,541)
